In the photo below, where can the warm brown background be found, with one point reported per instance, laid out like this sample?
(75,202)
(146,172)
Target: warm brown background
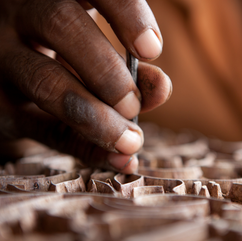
(202,54)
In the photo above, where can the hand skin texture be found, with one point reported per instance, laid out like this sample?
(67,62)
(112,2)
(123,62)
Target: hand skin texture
(83,109)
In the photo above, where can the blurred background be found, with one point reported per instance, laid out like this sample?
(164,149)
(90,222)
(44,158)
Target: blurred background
(202,54)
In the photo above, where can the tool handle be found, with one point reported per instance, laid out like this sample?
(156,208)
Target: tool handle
(132,64)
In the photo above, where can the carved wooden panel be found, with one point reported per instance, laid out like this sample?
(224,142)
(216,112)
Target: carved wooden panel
(188,187)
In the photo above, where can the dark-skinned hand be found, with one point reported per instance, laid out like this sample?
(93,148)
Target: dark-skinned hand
(85,114)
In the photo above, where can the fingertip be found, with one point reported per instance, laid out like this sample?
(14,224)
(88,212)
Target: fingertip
(123,163)
(155,86)
(171,88)
(131,166)
(129,106)
(148,45)
(129,142)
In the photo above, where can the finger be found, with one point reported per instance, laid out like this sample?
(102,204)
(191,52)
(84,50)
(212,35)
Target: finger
(58,92)
(134,24)
(65,27)
(85,4)
(155,86)
(48,52)
(55,134)
(25,119)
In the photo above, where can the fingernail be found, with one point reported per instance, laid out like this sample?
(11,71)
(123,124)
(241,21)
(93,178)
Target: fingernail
(129,106)
(123,163)
(148,45)
(130,142)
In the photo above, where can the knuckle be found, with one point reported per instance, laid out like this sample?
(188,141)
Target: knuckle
(60,17)
(112,90)
(125,6)
(105,77)
(46,84)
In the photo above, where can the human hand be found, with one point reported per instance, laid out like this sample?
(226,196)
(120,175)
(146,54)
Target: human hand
(84,115)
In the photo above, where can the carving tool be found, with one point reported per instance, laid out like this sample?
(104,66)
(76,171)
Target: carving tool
(132,64)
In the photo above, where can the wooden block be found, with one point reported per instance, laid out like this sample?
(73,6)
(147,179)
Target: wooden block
(204,191)
(196,187)
(215,190)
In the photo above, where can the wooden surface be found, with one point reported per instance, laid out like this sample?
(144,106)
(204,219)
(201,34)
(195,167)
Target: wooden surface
(195,198)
